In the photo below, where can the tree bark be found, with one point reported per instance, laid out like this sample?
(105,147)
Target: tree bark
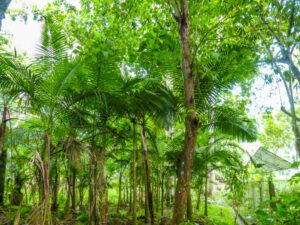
(147,172)
(47,219)
(289,90)
(93,204)
(261,194)
(162,195)
(73,189)
(55,186)
(134,186)
(271,192)
(199,197)
(206,195)
(103,206)
(3,155)
(120,193)
(189,209)
(191,122)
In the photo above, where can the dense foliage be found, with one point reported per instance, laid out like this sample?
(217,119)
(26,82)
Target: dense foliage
(128,113)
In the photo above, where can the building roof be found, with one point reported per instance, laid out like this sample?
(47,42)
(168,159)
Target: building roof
(268,161)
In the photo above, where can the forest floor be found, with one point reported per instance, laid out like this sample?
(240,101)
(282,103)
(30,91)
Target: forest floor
(219,215)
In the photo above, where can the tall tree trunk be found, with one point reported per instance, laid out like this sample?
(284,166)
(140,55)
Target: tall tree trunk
(93,204)
(289,90)
(3,155)
(47,220)
(206,194)
(120,193)
(261,193)
(253,195)
(199,197)
(189,209)
(55,185)
(146,206)
(271,192)
(162,195)
(103,205)
(147,172)
(157,192)
(295,127)
(191,122)
(73,189)
(134,162)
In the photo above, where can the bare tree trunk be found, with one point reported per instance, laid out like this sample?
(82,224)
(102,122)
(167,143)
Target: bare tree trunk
(147,172)
(103,205)
(93,204)
(55,185)
(162,195)
(261,194)
(206,195)
(146,205)
(47,219)
(272,192)
(3,155)
(134,162)
(191,122)
(120,193)
(199,197)
(73,206)
(189,209)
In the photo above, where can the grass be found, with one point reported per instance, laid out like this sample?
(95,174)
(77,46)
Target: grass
(218,214)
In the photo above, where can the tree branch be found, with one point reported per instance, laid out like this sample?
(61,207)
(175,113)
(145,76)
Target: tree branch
(288,113)
(292,18)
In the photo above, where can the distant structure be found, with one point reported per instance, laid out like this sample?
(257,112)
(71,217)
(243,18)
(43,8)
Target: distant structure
(268,161)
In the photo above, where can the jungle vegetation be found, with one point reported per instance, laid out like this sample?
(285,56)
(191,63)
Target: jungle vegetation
(127,114)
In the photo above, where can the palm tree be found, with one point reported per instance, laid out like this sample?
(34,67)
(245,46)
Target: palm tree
(41,85)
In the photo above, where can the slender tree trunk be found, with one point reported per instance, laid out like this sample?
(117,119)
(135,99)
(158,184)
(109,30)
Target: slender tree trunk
(295,127)
(157,192)
(206,194)
(73,189)
(93,204)
(289,90)
(189,209)
(47,220)
(81,193)
(147,172)
(199,197)
(253,195)
(120,193)
(191,122)
(271,192)
(168,187)
(146,205)
(261,194)
(134,162)
(130,189)
(55,185)
(162,195)
(3,155)
(103,205)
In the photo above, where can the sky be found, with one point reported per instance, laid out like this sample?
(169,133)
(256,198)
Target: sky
(25,36)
